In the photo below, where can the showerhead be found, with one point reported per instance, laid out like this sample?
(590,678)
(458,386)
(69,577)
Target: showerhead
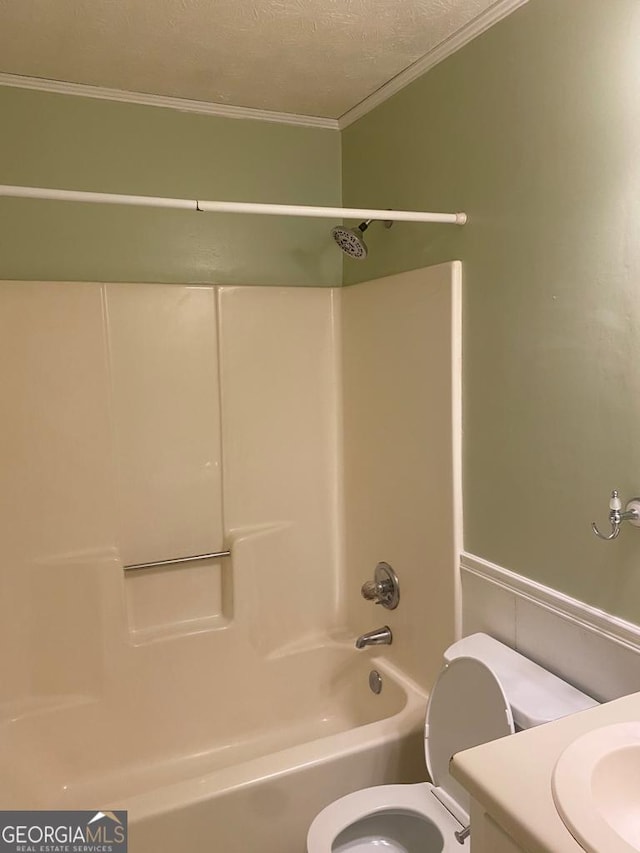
(350,240)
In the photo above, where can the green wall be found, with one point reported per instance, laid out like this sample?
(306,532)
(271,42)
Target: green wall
(78,143)
(534,130)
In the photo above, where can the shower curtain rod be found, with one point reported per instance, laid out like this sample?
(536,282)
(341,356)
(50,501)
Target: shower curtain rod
(233,206)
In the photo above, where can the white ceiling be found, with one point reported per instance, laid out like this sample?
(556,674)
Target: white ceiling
(309,57)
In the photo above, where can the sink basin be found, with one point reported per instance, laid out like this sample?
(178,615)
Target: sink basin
(596,789)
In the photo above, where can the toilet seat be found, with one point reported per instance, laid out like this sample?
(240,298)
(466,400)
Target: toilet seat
(417,799)
(467,707)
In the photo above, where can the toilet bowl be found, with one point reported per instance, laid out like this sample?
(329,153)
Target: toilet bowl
(485,691)
(399,818)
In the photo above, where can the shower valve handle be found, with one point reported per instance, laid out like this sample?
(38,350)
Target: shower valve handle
(384,588)
(374,591)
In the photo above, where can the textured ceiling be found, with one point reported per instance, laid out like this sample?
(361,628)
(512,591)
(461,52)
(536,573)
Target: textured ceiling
(311,57)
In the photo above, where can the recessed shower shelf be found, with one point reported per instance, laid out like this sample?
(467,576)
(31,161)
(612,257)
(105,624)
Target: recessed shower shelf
(169,599)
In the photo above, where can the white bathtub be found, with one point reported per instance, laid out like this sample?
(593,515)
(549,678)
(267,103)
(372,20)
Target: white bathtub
(295,736)
(282,777)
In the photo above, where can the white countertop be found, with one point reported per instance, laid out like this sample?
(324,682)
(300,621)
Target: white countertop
(511,777)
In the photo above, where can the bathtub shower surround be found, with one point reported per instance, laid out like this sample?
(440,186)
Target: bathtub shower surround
(401,374)
(148,422)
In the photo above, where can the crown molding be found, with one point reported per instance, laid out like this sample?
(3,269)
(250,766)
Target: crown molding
(463,36)
(184,105)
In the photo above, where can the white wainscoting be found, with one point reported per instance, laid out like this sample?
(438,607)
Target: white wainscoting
(593,650)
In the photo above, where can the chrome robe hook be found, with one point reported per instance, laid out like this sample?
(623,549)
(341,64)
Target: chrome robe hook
(631,514)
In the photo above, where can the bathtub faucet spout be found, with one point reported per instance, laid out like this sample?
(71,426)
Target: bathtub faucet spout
(379,637)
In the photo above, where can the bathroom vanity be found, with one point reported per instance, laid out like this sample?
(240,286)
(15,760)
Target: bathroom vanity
(512,783)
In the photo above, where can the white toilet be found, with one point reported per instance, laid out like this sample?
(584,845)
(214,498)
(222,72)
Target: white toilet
(485,691)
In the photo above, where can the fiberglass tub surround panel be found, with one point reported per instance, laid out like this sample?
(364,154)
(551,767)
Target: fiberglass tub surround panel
(400,360)
(280,422)
(58,500)
(166,413)
(167,424)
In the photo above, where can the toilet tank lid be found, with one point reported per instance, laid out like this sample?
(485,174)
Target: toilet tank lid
(535,695)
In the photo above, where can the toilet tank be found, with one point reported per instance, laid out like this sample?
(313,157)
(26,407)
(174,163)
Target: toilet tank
(536,695)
